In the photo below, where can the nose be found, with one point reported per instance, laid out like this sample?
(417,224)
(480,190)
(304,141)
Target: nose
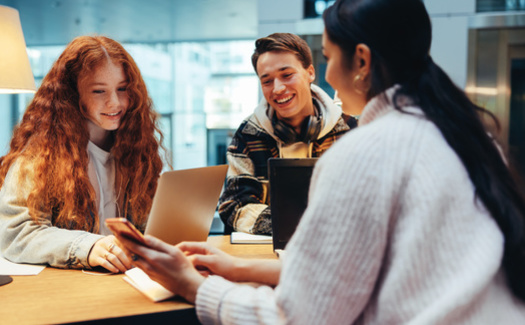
(278,86)
(113,100)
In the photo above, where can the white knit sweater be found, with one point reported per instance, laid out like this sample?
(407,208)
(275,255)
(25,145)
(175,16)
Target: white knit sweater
(392,234)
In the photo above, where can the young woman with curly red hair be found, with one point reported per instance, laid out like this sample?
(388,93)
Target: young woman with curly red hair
(87,149)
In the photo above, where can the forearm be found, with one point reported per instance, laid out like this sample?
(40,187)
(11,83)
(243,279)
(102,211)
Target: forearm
(257,270)
(22,240)
(243,202)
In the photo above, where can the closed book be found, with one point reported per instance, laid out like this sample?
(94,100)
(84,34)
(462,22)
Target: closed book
(244,238)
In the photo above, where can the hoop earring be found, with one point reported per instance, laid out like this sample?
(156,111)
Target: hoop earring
(360,89)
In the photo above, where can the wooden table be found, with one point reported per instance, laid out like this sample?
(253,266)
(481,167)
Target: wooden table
(64,296)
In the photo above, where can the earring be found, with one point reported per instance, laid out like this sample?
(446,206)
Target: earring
(360,85)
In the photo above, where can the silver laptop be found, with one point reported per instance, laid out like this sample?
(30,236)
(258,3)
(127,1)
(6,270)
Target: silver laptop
(184,204)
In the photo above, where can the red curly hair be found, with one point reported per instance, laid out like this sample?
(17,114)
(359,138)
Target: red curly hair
(52,140)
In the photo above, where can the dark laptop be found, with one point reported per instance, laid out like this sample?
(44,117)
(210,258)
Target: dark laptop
(289,183)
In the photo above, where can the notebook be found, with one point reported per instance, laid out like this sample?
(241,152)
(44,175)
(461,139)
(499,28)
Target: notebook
(184,204)
(289,183)
(238,237)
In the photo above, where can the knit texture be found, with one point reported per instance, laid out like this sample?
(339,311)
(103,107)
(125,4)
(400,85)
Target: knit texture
(393,234)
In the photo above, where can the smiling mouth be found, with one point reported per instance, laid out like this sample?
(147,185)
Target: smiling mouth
(112,114)
(284,100)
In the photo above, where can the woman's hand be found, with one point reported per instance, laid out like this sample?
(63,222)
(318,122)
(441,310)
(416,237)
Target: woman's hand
(106,252)
(165,264)
(211,260)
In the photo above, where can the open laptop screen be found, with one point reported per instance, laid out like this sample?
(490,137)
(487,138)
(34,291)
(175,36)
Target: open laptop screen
(185,203)
(289,183)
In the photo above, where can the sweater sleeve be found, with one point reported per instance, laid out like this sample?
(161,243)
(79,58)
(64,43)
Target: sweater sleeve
(22,240)
(242,204)
(222,302)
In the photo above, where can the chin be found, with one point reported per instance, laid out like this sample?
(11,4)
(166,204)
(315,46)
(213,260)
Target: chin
(112,128)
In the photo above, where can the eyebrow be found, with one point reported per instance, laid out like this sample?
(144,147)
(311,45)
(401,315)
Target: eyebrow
(286,67)
(105,84)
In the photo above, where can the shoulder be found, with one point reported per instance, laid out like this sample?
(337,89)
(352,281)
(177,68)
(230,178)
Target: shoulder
(382,141)
(19,177)
(344,124)
(250,136)
(393,124)
(250,126)
(251,130)
(21,167)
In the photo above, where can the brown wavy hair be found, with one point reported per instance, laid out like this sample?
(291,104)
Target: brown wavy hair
(283,42)
(51,142)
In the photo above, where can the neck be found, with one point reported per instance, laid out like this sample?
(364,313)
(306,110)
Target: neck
(297,121)
(100,137)
(352,110)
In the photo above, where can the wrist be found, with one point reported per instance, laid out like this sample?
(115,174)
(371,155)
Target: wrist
(194,281)
(88,257)
(241,270)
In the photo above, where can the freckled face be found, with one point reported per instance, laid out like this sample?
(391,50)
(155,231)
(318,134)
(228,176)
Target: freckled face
(104,97)
(286,85)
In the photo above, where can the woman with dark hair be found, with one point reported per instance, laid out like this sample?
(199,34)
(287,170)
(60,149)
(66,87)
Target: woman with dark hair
(86,149)
(413,218)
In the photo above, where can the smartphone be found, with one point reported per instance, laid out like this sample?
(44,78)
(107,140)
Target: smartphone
(126,229)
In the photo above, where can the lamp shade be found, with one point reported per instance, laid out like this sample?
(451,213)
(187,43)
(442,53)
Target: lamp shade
(15,71)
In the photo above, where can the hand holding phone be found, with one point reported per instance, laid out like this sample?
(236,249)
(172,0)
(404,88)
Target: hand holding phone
(123,227)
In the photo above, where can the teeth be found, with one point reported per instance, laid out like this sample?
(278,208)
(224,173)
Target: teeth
(284,100)
(112,114)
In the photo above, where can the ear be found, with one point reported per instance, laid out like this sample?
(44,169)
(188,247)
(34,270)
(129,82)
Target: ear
(311,73)
(362,59)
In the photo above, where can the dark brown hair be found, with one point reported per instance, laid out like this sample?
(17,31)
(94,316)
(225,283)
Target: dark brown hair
(283,42)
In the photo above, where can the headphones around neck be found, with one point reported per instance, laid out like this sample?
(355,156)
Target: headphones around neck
(310,129)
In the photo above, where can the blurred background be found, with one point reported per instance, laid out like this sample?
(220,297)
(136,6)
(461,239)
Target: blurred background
(195,58)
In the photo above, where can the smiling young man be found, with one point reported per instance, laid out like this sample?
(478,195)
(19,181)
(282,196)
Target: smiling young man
(295,119)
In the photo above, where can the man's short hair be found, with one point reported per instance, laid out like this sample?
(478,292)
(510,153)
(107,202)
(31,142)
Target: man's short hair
(283,42)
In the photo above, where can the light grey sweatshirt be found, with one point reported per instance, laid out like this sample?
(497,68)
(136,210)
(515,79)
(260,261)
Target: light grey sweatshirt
(24,241)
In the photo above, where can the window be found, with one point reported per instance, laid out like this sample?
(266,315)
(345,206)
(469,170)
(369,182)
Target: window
(499,5)
(315,8)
